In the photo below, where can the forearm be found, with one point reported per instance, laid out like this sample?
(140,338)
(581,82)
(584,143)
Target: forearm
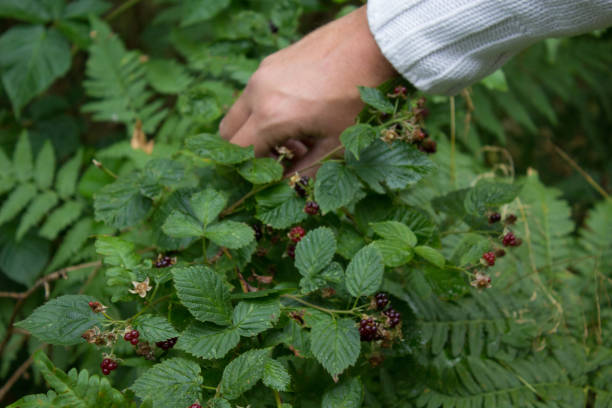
(442,46)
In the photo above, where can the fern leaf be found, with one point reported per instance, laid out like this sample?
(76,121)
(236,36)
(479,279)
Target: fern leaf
(7,178)
(22,158)
(19,198)
(60,219)
(37,209)
(117,82)
(45,166)
(73,241)
(67,176)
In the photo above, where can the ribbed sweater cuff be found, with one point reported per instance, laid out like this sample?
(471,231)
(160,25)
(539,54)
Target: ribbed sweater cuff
(442,46)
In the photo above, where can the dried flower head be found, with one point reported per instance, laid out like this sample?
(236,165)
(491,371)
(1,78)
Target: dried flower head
(284,151)
(481,281)
(141,288)
(293,180)
(389,135)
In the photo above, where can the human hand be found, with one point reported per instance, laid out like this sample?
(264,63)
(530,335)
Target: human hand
(305,95)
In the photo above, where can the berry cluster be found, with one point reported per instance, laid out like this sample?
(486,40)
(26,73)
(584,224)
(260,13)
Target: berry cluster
(393,317)
(163,261)
(132,337)
(368,330)
(311,208)
(510,219)
(511,240)
(291,251)
(495,217)
(489,258)
(107,365)
(97,307)
(167,344)
(382,300)
(300,185)
(296,234)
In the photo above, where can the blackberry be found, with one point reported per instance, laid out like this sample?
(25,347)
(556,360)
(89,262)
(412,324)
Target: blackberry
(163,261)
(167,344)
(311,208)
(132,337)
(382,300)
(274,30)
(429,146)
(393,317)
(489,257)
(500,253)
(420,135)
(511,240)
(368,329)
(296,234)
(301,185)
(258,231)
(495,217)
(400,91)
(107,365)
(196,405)
(291,251)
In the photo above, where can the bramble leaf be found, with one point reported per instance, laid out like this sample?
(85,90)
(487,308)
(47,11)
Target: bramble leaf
(275,375)
(315,251)
(347,394)
(207,205)
(203,292)
(120,204)
(358,137)
(62,320)
(175,382)
(261,171)
(335,344)
(254,317)
(376,99)
(280,207)
(180,225)
(393,230)
(154,328)
(364,273)
(207,340)
(335,186)
(218,150)
(243,373)
(430,255)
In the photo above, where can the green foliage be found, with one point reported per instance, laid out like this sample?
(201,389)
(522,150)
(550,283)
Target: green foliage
(199,226)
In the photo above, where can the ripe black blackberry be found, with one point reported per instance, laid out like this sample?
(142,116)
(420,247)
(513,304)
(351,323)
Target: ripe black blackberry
(428,146)
(495,217)
(258,231)
(311,208)
(301,185)
(368,329)
(393,317)
(382,300)
(163,261)
(167,344)
(291,251)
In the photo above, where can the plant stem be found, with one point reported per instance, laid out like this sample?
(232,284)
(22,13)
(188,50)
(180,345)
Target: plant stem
(229,210)
(323,309)
(279,403)
(125,6)
(208,387)
(453,136)
(147,307)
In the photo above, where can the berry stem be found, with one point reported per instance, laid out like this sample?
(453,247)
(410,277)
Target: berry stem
(323,309)
(279,403)
(208,387)
(144,309)
(229,210)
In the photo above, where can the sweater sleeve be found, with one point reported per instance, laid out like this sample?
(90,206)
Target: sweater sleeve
(442,46)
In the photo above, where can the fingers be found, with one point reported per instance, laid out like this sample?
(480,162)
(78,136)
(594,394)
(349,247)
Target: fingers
(249,135)
(306,165)
(235,118)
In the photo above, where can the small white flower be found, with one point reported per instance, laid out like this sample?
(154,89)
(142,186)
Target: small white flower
(141,288)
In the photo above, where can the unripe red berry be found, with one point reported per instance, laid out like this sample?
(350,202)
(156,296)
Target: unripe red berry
(195,406)
(511,240)
(311,208)
(112,365)
(489,257)
(134,341)
(105,362)
(429,146)
(296,234)
(106,371)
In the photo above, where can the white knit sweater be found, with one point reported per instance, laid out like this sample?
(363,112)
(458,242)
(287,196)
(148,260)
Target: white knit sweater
(442,46)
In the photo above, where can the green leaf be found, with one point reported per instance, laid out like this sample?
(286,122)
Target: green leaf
(36,401)
(83,8)
(347,394)
(394,253)
(203,292)
(393,230)
(218,150)
(335,186)
(430,255)
(261,171)
(154,328)
(230,234)
(60,218)
(37,209)
(364,273)
(7,178)
(159,173)
(489,194)
(276,376)
(280,207)
(167,76)
(335,344)
(22,261)
(62,320)
(376,99)
(315,251)
(254,317)
(33,11)
(208,341)
(31,58)
(496,81)
(243,373)
(45,166)
(22,158)
(194,11)
(19,198)
(73,241)
(396,166)
(120,204)
(175,382)
(207,205)
(358,137)
(117,252)
(180,225)
(67,176)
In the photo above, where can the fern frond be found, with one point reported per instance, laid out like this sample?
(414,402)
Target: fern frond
(117,82)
